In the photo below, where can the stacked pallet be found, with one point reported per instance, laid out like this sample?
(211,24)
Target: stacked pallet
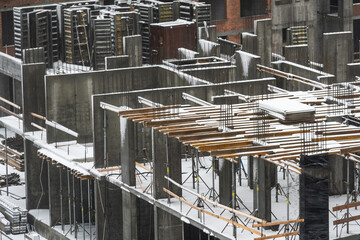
(14,214)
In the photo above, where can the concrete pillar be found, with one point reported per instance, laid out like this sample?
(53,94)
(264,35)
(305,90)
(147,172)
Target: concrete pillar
(338,175)
(297,54)
(314,197)
(167,226)
(128,153)
(346,14)
(246,65)
(264,36)
(250,172)
(207,48)
(262,188)
(208,33)
(33,91)
(108,207)
(36,178)
(114,62)
(249,43)
(225,182)
(145,220)
(338,52)
(129,211)
(133,48)
(5,91)
(160,164)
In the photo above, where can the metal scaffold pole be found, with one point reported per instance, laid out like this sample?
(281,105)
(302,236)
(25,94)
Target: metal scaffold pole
(7,166)
(82,209)
(69,198)
(89,210)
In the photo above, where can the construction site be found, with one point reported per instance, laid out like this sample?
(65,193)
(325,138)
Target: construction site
(159,120)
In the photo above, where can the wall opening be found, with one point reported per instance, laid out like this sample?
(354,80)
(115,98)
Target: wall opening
(7,24)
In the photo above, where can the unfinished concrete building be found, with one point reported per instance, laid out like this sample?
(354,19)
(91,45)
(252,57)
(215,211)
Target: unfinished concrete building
(134,120)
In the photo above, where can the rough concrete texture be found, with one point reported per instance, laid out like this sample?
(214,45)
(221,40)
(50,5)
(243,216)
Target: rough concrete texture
(10,66)
(338,48)
(207,33)
(264,40)
(133,48)
(114,62)
(250,43)
(246,65)
(167,226)
(207,48)
(297,54)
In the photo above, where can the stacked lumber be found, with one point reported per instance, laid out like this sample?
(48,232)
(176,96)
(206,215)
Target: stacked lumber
(14,214)
(15,159)
(5,225)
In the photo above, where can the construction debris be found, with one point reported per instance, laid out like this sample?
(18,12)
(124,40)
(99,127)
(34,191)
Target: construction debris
(14,179)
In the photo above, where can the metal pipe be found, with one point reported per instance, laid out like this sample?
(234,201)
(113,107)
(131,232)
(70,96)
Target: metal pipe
(348,190)
(7,166)
(69,198)
(233,180)
(167,164)
(89,210)
(288,200)
(74,206)
(104,128)
(213,178)
(61,202)
(198,180)
(82,208)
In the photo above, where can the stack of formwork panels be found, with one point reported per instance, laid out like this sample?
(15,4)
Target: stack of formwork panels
(194,11)
(76,21)
(37,27)
(14,214)
(299,35)
(102,43)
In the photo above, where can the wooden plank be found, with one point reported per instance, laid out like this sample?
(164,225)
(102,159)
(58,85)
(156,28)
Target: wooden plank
(278,235)
(346,220)
(268,224)
(243,149)
(212,214)
(109,169)
(146,110)
(211,135)
(171,121)
(210,148)
(346,206)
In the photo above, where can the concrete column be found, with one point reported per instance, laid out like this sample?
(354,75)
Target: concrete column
(297,54)
(262,188)
(167,226)
(33,91)
(145,219)
(250,172)
(338,52)
(54,195)
(108,206)
(250,43)
(36,178)
(129,212)
(314,197)
(225,182)
(246,65)
(338,175)
(346,14)
(5,91)
(160,164)
(264,35)
(208,33)
(128,153)
(133,48)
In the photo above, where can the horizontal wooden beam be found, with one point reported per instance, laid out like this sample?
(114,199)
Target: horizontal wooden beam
(346,220)
(346,206)
(278,235)
(268,224)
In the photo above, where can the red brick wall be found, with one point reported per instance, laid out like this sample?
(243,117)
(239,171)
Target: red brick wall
(356,9)
(234,22)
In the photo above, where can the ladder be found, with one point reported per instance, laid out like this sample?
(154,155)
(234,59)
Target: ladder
(82,38)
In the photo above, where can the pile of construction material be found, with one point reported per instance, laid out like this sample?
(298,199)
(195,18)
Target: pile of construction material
(13,179)
(5,225)
(14,214)
(14,152)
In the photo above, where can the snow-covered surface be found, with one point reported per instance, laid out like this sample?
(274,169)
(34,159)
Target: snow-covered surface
(285,106)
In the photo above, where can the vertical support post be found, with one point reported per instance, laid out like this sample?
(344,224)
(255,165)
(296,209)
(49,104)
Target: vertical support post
(7,166)
(213,178)
(287,200)
(69,198)
(347,190)
(167,165)
(233,195)
(74,206)
(105,143)
(89,210)
(61,202)
(193,166)
(239,163)
(82,208)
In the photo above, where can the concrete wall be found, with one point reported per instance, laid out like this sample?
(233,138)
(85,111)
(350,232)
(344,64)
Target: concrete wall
(214,74)
(68,97)
(165,96)
(246,65)
(10,66)
(338,52)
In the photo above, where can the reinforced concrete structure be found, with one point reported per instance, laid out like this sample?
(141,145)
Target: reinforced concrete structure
(130,129)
